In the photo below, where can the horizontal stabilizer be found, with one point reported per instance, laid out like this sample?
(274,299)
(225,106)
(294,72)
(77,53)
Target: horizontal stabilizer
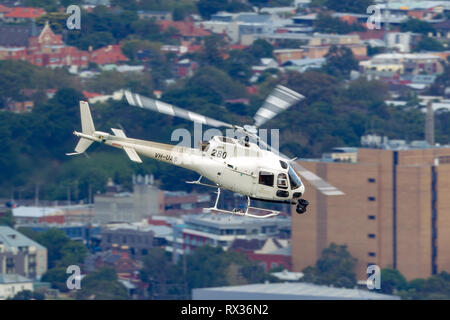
(132,154)
(82,145)
(118,133)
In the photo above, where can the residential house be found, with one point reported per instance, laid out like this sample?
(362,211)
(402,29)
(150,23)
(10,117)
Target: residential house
(157,15)
(4,10)
(270,253)
(106,55)
(22,14)
(185,30)
(400,63)
(11,284)
(185,68)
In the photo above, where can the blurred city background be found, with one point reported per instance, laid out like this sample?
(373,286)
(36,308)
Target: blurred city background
(375,123)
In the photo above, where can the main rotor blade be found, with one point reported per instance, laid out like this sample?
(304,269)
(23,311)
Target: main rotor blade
(279,100)
(137,100)
(318,183)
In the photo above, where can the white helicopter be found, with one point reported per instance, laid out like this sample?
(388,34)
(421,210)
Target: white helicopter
(238,165)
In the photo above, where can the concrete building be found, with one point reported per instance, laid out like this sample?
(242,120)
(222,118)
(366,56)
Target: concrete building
(11,284)
(21,255)
(286,291)
(404,63)
(395,212)
(138,237)
(128,207)
(220,230)
(76,231)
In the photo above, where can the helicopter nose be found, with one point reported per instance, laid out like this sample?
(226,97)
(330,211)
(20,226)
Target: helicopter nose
(302,189)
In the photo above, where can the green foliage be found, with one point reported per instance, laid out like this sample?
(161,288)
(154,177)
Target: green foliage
(340,61)
(57,277)
(102,27)
(429,44)
(102,285)
(61,251)
(205,267)
(417,26)
(206,8)
(7,219)
(211,266)
(391,280)
(359,6)
(260,49)
(335,267)
(27,295)
(327,24)
(436,287)
(56,20)
(442,82)
(164,278)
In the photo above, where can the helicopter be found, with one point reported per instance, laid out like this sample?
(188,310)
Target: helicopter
(246,165)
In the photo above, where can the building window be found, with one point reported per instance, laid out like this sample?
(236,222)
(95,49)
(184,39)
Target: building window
(371,235)
(372,254)
(371,198)
(371,180)
(372,217)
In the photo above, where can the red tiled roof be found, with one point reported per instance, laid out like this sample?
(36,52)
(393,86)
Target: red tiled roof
(89,95)
(4,8)
(186,28)
(109,54)
(25,12)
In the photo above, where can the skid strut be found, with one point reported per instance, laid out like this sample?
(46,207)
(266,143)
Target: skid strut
(270,213)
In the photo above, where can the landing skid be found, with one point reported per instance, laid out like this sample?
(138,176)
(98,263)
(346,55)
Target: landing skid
(270,213)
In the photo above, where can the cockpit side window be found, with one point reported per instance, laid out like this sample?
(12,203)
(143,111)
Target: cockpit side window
(205,146)
(282,181)
(294,179)
(266,178)
(283,164)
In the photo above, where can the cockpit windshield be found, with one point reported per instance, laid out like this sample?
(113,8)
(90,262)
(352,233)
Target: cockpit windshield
(294,179)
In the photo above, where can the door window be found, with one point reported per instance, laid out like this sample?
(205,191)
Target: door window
(266,178)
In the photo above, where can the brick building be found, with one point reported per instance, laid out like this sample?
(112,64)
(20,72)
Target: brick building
(395,212)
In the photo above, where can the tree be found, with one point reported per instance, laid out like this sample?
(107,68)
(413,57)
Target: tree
(417,26)
(27,295)
(442,82)
(260,48)
(340,61)
(73,253)
(57,277)
(335,267)
(54,240)
(343,5)
(429,44)
(102,284)
(327,24)
(392,279)
(164,278)
(7,219)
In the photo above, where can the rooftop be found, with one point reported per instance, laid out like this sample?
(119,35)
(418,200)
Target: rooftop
(13,278)
(287,291)
(10,238)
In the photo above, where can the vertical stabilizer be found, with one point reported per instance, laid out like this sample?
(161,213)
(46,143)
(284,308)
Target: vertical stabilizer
(87,125)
